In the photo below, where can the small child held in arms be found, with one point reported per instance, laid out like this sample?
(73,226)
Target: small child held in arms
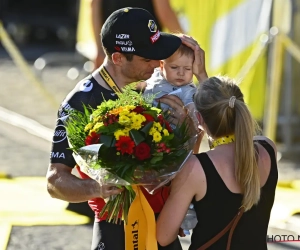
(174,76)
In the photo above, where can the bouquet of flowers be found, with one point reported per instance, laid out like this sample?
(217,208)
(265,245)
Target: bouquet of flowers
(127,142)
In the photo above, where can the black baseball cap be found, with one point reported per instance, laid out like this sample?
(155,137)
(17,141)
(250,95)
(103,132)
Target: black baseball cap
(134,31)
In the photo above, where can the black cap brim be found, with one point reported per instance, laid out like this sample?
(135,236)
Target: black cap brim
(163,48)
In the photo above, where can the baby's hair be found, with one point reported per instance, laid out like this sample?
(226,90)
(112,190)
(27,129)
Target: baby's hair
(184,50)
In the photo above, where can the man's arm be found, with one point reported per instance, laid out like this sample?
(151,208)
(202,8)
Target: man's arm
(63,185)
(166,15)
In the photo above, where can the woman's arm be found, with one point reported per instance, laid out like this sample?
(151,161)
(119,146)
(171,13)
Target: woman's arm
(97,22)
(183,188)
(166,15)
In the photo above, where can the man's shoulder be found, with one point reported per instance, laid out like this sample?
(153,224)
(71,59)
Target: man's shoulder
(86,92)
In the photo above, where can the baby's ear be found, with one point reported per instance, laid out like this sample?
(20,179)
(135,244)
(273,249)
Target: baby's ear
(161,64)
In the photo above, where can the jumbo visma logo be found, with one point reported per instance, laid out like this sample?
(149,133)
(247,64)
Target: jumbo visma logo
(152,26)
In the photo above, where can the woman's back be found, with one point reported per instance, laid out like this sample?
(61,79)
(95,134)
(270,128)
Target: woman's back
(236,173)
(222,199)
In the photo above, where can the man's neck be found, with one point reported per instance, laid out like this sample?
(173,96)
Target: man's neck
(115,74)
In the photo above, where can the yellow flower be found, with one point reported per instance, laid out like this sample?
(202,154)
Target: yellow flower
(124,112)
(158,126)
(119,133)
(131,114)
(124,120)
(137,121)
(166,132)
(157,137)
(88,127)
(97,126)
(152,130)
(126,131)
(130,107)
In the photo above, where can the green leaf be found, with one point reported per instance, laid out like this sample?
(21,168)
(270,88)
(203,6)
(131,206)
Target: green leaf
(146,128)
(155,159)
(108,140)
(137,136)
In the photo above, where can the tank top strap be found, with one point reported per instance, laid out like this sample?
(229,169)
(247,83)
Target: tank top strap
(269,149)
(273,176)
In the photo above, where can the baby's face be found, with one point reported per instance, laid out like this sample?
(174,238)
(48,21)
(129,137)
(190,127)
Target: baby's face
(177,69)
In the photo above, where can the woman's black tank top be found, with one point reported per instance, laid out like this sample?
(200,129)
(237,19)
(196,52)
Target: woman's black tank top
(220,205)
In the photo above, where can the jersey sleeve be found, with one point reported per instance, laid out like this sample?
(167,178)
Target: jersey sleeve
(60,152)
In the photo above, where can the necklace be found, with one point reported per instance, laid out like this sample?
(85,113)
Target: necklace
(222,140)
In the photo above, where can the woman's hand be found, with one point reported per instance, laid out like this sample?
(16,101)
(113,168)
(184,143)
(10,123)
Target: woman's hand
(199,63)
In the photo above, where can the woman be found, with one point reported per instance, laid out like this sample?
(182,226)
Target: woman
(239,173)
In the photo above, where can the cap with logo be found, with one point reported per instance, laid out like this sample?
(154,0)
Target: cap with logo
(134,31)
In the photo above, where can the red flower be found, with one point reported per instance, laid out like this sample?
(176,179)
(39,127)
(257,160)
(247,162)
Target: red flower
(125,145)
(93,138)
(163,122)
(168,127)
(138,109)
(142,151)
(149,118)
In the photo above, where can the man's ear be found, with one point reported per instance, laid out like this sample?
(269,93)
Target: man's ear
(117,58)
(161,64)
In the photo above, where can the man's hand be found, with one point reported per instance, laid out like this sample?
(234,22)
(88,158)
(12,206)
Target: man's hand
(109,190)
(178,112)
(63,185)
(199,63)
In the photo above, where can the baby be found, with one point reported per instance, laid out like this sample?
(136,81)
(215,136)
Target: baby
(174,76)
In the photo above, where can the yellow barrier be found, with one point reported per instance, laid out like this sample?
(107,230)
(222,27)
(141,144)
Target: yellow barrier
(291,47)
(281,43)
(5,229)
(270,121)
(33,209)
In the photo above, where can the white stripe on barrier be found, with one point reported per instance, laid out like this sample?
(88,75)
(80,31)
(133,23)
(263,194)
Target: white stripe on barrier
(31,126)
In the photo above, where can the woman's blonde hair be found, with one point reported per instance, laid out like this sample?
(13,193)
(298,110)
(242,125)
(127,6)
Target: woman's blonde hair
(223,118)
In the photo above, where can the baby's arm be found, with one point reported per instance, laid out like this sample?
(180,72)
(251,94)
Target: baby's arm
(141,86)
